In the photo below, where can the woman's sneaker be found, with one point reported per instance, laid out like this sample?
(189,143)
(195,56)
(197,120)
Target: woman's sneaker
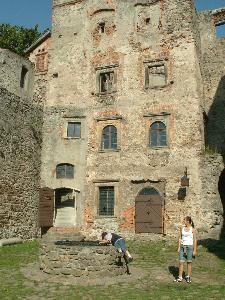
(188,279)
(178,279)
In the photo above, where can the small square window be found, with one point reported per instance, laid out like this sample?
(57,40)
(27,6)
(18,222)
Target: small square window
(74,130)
(220,30)
(155,75)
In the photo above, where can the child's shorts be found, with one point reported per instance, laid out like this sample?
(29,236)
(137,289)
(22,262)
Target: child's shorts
(186,253)
(120,243)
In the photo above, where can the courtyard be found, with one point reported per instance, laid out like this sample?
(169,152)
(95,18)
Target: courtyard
(152,273)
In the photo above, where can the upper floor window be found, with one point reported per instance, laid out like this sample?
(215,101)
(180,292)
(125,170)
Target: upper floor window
(155,75)
(74,130)
(106,80)
(65,171)
(158,135)
(101,27)
(220,30)
(106,201)
(109,137)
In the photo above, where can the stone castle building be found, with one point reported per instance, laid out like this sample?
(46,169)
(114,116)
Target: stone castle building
(132,94)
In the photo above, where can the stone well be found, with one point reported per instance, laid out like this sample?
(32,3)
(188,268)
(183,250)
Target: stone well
(80,259)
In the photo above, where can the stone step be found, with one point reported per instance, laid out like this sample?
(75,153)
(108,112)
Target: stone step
(62,233)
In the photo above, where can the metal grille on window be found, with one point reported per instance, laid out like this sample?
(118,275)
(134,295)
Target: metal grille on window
(109,137)
(158,137)
(106,201)
(74,130)
(64,171)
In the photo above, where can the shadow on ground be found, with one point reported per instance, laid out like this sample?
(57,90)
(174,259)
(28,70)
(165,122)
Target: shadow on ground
(174,271)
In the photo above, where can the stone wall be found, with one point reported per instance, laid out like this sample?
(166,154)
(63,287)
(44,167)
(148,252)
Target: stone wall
(20,149)
(12,66)
(210,207)
(213,75)
(127,37)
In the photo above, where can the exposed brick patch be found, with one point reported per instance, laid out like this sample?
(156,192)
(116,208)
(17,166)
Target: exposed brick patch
(88,217)
(128,221)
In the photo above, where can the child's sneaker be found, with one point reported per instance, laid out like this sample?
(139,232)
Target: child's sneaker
(178,279)
(130,259)
(188,279)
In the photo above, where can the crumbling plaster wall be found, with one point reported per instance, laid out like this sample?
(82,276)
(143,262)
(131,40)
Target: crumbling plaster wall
(40,79)
(213,74)
(78,50)
(20,150)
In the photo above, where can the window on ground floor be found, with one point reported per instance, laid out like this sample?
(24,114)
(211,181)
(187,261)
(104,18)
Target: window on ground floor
(106,201)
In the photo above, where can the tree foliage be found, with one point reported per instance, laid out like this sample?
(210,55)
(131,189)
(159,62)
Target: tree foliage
(17,38)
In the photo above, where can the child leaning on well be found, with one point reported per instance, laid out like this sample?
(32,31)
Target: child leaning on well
(118,242)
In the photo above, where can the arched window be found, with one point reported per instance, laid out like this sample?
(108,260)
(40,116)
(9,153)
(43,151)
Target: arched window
(158,136)
(148,191)
(109,137)
(65,171)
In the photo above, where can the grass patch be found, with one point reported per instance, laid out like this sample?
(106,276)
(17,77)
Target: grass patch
(148,255)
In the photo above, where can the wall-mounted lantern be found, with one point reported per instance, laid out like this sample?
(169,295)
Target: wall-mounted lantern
(185,179)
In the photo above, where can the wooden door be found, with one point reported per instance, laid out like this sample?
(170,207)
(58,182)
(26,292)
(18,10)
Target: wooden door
(149,212)
(46,207)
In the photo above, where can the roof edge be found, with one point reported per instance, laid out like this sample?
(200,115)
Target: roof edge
(40,40)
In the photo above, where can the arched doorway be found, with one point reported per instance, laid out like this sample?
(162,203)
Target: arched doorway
(149,211)
(64,208)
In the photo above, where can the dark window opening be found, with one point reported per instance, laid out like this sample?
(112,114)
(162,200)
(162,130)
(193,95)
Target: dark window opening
(147,21)
(220,30)
(102,27)
(106,82)
(158,136)
(74,129)
(109,137)
(106,201)
(23,77)
(148,191)
(64,171)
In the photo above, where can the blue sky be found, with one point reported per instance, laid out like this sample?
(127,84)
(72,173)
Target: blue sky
(28,13)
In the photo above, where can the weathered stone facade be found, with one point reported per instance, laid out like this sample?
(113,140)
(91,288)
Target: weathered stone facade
(20,149)
(133,95)
(154,59)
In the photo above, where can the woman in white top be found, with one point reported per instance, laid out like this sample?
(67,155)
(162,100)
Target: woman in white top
(187,248)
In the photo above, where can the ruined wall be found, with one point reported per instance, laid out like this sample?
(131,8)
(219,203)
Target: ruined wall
(213,74)
(126,38)
(211,166)
(20,149)
(39,56)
